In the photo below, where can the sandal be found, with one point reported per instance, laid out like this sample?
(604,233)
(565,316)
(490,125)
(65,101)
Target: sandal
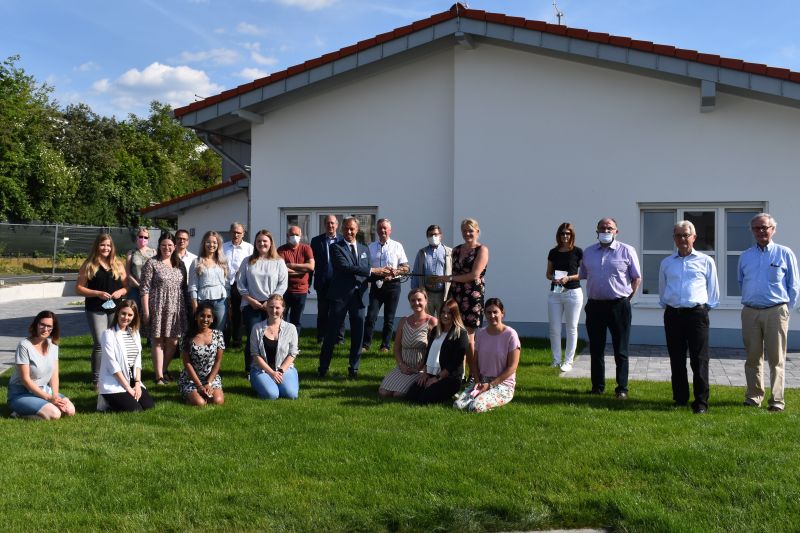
(161,381)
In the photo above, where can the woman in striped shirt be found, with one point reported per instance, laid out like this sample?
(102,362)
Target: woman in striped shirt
(121,387)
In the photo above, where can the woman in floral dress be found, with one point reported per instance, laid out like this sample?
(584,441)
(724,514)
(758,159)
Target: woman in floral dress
(200,382)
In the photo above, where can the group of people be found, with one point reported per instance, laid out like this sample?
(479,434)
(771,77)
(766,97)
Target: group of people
(154,292)
(688,289)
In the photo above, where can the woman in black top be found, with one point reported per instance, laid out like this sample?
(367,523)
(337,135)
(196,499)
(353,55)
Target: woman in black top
(448,343)
(565,298)
(101,279)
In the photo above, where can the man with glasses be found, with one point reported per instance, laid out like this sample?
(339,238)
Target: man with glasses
(182,249)
(236,250)
(612,274)
(687,288)
(769,282)
(436,259)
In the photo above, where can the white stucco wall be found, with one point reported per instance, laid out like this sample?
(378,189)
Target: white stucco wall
(522,142)
(213,216)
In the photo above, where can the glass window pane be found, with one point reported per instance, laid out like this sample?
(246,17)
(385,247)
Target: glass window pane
(705,225)
(650,264)
(299,220)
(366,228)
(321,228)
(733,274)
(737,224)
(658,230)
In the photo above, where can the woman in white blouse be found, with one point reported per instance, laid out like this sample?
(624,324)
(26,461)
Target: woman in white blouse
(120,385)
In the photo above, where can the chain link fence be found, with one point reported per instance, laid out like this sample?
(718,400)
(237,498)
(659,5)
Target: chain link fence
(36,250)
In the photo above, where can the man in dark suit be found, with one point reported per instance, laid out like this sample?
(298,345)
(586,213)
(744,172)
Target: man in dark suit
(323,272)
(347,293)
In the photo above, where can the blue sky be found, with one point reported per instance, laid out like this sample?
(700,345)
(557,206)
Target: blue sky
(117,55)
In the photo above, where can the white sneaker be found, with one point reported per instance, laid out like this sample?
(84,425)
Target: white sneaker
(555,364)
(566,367)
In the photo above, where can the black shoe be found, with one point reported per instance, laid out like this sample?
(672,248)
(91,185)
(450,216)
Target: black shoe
(680,404)
(774,409)
(340,341)
(322,373)
(699,410)
(750,404)
(596,391)
(352,374)
(621,395)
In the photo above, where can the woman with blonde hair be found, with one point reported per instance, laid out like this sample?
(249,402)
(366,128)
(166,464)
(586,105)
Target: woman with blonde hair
(208,278)
(274,343)
(448,344)
(101,280)
(134,262)
(261,276)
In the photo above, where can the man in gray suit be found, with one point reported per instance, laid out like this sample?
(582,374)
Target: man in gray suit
(436,259)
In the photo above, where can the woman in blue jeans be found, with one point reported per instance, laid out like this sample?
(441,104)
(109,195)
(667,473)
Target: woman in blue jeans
(33,388)
(208,279)
(273,343)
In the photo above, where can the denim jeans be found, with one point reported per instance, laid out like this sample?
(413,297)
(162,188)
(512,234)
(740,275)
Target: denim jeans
(295,303)
(267,389)
(220,312)
(567,304)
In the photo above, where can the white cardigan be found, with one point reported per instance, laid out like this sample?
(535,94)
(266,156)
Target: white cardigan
(114,359)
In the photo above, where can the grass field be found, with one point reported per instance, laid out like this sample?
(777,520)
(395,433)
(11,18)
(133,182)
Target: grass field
(340,459)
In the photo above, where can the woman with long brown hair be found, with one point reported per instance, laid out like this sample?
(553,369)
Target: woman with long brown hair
(565,298)
(101,279)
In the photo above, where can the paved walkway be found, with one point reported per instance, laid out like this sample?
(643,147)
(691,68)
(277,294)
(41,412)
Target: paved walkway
(15,317)
(651,363)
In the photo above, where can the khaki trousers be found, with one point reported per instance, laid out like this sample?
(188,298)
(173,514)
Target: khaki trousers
(764,332)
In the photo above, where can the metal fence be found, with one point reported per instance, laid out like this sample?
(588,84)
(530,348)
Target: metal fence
(50,245)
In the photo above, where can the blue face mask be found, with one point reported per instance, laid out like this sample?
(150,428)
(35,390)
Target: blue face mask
(605,238)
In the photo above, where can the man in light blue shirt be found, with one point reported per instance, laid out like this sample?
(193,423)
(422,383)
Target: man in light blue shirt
(687,288)
(769,281)
(436,259)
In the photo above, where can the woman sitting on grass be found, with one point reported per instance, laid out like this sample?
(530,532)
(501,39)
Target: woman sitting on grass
(447,345)
(200,382)
(410,344)
(497,350)
(33,388)
(273,343)
(120,385)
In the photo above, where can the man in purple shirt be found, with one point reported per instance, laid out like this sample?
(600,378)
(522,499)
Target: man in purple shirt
(612,274)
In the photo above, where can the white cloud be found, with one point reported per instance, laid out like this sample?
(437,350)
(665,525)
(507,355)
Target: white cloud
(262,59)
(220,31)
(216,56)
(176,86)
(252,73)
(249,29)
(252,46)
(308,5)
(318,42)
(87,67)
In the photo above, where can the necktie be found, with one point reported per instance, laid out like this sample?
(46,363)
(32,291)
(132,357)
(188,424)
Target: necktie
(355,254)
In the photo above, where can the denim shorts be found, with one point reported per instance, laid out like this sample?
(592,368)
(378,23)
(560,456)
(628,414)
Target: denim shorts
(22,402)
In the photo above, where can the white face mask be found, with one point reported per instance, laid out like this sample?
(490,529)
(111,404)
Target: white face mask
(294,240)
(605,238)
(434,240)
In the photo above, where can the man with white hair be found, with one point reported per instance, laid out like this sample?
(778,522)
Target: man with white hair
(769,281)
(688,288)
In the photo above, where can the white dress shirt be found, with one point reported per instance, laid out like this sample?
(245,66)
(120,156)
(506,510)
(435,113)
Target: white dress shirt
(391,254)
(235,256)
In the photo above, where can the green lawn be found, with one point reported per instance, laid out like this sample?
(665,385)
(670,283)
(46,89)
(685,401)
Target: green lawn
(340,459)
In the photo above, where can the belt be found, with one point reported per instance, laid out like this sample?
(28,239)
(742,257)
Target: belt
(767,307)
(685,309)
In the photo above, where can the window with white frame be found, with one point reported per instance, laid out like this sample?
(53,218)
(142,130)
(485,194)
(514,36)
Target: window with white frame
(312,220)
(723,232)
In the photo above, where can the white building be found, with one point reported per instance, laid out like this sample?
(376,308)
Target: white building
(521,125)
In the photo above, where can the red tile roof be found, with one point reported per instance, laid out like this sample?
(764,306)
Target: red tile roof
(233,179)
(459,10)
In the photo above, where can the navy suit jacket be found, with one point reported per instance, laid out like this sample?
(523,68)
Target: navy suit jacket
(318,245)
(350,276)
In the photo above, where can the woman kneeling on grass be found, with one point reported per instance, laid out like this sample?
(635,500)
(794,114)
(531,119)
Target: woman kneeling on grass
(273,343)
(497,350)
(120,384)
(447,345)
(200,382)
(33,388)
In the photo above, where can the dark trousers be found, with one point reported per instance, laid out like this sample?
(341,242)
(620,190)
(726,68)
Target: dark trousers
(251,318)
(339,309)
(687,329)
(124,402)
(387,296)
(613,316)
(295,303)
(439,392)
(233,330)
(323,316)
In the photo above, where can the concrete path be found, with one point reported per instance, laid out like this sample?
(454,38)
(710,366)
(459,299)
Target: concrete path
(16,316)
(651,363)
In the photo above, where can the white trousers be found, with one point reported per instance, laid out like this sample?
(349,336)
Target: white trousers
(564,306)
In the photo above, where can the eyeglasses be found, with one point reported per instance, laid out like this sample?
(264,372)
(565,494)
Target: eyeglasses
(142,237)
(180,239)
(682,235)
(45,326)
(761,228)
(238,232)
(567,233)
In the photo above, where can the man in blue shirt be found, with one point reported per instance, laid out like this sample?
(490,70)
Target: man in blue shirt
(687,288)
(769,281)
(436,259)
